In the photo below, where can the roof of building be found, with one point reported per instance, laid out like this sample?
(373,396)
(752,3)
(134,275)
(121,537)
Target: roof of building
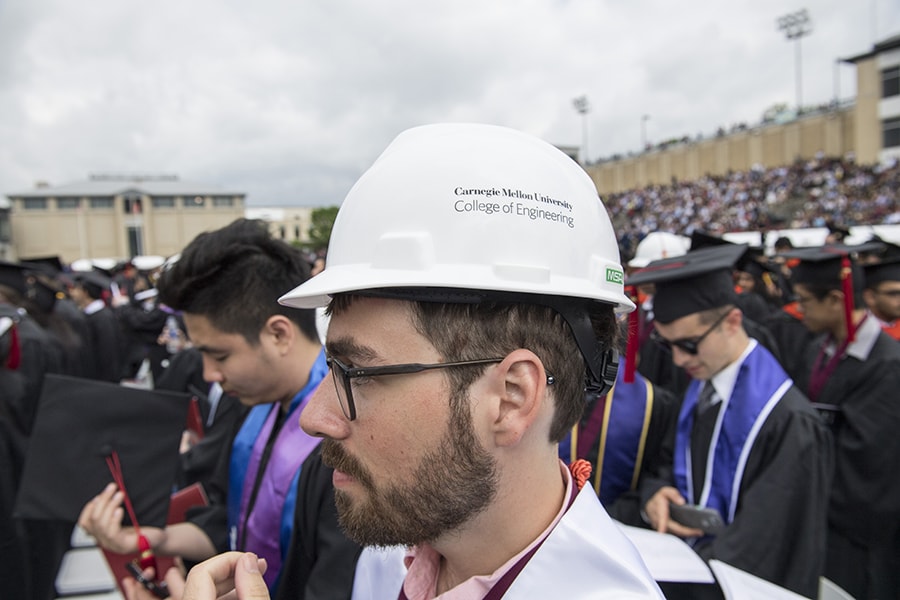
(114,185)
(882,46)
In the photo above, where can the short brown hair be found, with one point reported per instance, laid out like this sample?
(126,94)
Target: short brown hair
(469,331)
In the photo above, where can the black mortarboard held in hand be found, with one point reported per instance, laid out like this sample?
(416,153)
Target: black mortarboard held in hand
(697,281)
(83,426)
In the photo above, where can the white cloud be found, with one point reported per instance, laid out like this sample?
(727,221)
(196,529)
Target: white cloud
(290,102)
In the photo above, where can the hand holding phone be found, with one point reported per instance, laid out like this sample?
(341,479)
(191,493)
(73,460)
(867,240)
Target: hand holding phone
(707,520)
(158,589)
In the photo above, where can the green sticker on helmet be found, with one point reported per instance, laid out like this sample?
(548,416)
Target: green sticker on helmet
(614,275)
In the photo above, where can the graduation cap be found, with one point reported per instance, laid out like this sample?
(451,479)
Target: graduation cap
(886,270)
(82,428)
(832,266)
(12,275)
(49,264)
(94,282)
(697,281)
(753,261)
(31,281)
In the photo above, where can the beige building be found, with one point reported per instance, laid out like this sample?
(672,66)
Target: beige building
(116,216)
(288,223)
(869,128)
(878,102)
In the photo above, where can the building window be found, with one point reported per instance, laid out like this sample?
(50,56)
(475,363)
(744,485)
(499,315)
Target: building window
(890,82)
(5,227)
(163,202)
(132,206)
(34,203)
(891,132)
(223,201)
(68,203)
(101,202)
(193,201)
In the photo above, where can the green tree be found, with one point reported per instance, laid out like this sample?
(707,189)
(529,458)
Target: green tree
(320,229)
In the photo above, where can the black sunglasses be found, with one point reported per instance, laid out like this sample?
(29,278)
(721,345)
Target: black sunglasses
(689,345)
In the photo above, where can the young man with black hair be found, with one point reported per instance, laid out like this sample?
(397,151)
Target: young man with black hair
(853,374)
(226,284)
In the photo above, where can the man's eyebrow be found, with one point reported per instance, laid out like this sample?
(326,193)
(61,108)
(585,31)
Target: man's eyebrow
(347,348)
(210,349)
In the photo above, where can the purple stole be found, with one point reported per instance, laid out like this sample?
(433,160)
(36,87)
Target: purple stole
(259,528)
(760,384)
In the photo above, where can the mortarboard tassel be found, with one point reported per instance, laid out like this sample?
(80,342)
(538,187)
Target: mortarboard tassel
(847,288)
(146,557)
(631,346)
(14,359)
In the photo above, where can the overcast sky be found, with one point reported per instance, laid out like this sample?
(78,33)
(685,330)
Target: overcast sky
(289,102)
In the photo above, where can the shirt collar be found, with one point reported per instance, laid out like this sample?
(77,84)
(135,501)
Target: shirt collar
(723,381)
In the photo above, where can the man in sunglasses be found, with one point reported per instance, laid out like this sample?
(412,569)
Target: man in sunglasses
(747,443)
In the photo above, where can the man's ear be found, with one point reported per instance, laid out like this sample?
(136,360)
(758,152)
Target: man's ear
(522,397)
(280,330)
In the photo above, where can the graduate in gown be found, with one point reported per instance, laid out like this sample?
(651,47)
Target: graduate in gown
(747,443)
(853,374)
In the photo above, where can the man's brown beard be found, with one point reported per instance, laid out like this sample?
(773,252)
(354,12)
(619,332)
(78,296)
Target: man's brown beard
(453,482)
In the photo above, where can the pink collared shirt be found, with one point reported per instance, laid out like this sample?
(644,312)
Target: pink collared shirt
(423,564)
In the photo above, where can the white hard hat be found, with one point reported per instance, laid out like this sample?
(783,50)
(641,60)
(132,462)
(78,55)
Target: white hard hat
(658,245)
(471,207)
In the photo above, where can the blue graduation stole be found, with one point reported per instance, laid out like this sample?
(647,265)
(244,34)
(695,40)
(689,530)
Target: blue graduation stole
(623,435)
(760,385)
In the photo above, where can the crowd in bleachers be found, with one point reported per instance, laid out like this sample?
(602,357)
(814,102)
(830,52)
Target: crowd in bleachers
(810,193)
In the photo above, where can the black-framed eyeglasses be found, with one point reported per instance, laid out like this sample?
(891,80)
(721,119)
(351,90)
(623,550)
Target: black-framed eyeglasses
(342,375)
(689,345)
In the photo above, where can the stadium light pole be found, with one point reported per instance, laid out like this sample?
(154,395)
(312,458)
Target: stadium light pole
(796,25)
(583,107)
(644,120)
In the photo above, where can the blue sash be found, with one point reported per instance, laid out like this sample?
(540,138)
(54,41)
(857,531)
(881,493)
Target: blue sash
(623,434)
(760,385)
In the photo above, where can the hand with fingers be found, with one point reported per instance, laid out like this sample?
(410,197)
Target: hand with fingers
(228,576)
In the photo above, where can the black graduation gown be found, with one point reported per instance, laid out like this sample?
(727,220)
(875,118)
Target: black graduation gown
(14,575)
(864,514)
(104,348)
(185,374)
(778,532)
(792,339)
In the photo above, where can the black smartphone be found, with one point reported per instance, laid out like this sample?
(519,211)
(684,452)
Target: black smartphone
(158,589)
(690,515)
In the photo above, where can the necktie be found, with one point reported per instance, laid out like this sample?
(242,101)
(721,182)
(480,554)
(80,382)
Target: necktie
(705,400)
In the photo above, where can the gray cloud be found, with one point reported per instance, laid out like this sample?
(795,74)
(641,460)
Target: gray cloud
(290,102)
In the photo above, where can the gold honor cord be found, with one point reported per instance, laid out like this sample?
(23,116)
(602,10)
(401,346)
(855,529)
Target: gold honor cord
(598,473)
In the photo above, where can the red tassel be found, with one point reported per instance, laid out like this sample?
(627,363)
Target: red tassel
(847,288)
(631,347)
(146,558)
(14,359)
